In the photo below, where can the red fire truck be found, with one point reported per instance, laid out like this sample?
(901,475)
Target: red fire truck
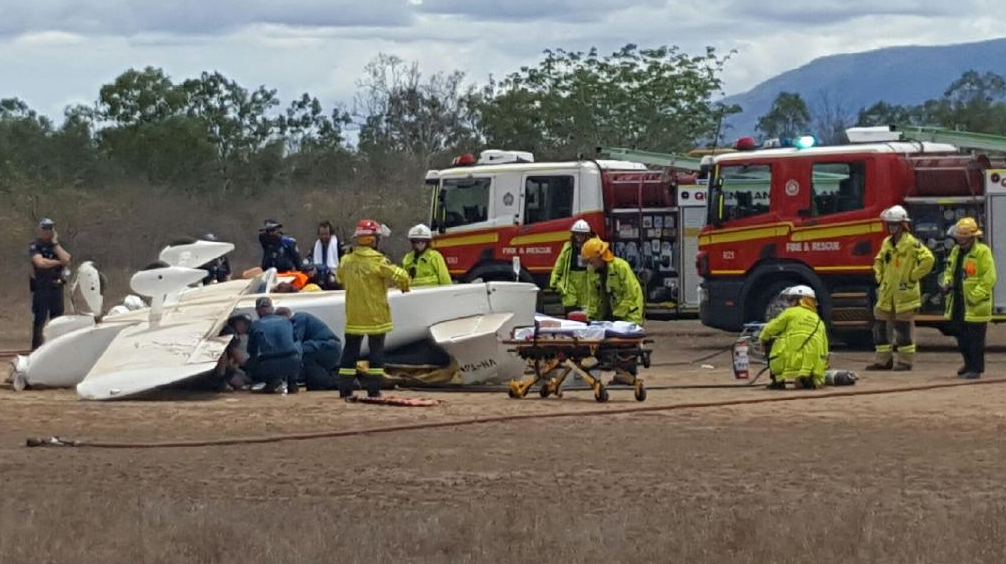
(785,216)
(485,213)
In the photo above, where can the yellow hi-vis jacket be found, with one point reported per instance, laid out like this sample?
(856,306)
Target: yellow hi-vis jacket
(619,298)
(365,274)
(429,269)
(898,269)
(801,344)
(569,280)
(979,271)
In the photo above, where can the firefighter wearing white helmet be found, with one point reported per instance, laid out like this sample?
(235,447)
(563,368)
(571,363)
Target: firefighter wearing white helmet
(899,266)
(569,273)
(426,266)
(799,349)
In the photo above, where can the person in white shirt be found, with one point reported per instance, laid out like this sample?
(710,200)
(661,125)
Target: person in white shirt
(325,257)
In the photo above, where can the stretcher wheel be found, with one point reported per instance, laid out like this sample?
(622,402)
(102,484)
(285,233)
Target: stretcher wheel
(601,394)
(646,361)
(512,394)
(544,391)
(640,391)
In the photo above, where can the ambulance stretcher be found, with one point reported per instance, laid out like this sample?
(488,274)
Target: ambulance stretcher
(552,356)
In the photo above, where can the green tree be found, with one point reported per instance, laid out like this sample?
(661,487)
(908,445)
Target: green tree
(402,112)
(883,113)
(571,102)
(788,117)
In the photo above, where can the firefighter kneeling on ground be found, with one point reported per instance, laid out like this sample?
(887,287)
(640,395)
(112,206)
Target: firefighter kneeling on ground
(800,350)
(426,267)
(365,274)
(967,282)
(899,266)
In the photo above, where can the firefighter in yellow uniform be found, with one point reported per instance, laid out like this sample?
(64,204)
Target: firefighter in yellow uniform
(967,282)
(613,291)
(426,267)
(366,274)
(898,268)
(569,273)
(800,348)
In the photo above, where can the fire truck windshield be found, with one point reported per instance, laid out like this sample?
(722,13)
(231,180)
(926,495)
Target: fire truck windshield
(739,191)
(461,201)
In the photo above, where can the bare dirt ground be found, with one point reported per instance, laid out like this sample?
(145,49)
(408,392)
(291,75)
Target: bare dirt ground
(911,477)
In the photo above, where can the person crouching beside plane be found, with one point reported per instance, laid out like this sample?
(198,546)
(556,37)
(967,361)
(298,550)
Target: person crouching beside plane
(426,267)
(967,282)
(613,291)
(320,349)
(800,348)
(273,357)
(569,273)
(899,266)
(230,371)
(365,273)
(278,250)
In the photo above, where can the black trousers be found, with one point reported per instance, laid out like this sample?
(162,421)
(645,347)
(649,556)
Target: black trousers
(46,304)
(351,354)
(971,344)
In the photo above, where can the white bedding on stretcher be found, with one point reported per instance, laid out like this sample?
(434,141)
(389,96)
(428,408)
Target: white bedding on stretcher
(595,331)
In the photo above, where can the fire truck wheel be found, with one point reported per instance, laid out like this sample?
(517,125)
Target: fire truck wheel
(768,304)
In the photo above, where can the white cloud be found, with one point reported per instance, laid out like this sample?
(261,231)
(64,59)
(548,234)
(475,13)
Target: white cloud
(61,50)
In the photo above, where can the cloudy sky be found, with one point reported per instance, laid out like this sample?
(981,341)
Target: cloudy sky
(57,52)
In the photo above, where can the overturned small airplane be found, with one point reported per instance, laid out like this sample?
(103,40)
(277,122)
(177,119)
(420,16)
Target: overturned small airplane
(137,348)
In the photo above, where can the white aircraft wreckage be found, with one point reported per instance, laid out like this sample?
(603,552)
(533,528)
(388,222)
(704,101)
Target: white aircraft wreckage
(137,348)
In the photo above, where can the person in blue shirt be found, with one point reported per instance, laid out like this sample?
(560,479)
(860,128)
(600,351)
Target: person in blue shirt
(278,250)
(320,350)
(273,356)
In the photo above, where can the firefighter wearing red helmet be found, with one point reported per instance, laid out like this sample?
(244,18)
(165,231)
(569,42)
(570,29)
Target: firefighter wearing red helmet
(366,274)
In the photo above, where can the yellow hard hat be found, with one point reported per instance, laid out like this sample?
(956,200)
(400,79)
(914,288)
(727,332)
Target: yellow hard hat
(311,288)
(967,227)
(596,248)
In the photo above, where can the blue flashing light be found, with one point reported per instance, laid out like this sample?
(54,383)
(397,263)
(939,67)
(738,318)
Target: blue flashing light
(804,142)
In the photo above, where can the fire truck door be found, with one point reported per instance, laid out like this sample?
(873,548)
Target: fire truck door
(692,216)
(995,229)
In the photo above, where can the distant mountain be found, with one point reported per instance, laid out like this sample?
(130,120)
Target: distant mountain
(899,75)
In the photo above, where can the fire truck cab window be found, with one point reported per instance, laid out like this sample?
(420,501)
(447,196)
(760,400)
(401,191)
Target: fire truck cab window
(463,201)
(746,190)
(547,198)
(838,188)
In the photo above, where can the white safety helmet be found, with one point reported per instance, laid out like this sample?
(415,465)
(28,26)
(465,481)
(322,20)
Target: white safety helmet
(801,291)
(895,214)
(420,232)
(580,226)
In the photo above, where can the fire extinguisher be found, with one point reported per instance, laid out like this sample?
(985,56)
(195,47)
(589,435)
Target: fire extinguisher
(742,361)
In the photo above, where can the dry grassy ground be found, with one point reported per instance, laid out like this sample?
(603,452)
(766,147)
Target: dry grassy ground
(911,477)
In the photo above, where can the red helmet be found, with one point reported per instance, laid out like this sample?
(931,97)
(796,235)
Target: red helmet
(367,227)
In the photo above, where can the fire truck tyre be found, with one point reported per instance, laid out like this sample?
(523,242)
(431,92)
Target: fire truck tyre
(768,305)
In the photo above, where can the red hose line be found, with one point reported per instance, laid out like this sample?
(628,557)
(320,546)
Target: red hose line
(507,418)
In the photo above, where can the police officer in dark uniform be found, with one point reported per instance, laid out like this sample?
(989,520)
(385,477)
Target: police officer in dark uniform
(278,250)
(217,270)
(48,259)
